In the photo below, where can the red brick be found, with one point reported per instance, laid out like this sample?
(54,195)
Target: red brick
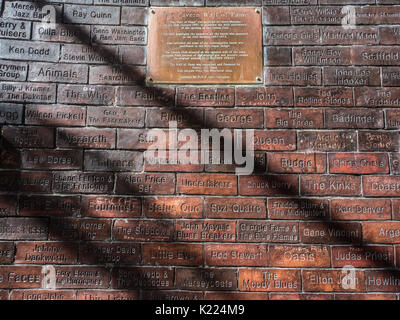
(269,231)
(138,96)
(236,255)
(235,296)
(381,186)
(316,15)
(210,279)
(113,253)
(375,56)
(145,183)
(363,257)
(112,74)
(81,277)
(295,256)
(276,15)
(381,232)
(51,159)
(377,97)
(296,162)
(330,232)
(115,117)
(377,15)
(205,230)
(111,207)
(389,35)
(15,277)
(173,207)
(293,76)
(329,185)
(378,141)
(86,94)
(46,253)
(142,230)
(396,209)
(358,163)
(322,56)
(172,295)
(23,229)
(86,138)
(352,76)
(269,280)
(393,119)
(294,118)
(202,97)
(268,185)
(231,208)
(365,296)
(304,209)
(8,205)
(173,254)
(171,161)
(142,277)
(29,137)
(323,97)
(382,280)
(327,280)
(35,205)
(210,184)
(114,295)
(354,118)
(301,296)
(57,115)
(82,182)
(279,97)
(79,229)
(42,295)
(352,36)
(277,56)
(236,118)
(161,117)
(274,140)
(6,252)
(293,35)
(360,209)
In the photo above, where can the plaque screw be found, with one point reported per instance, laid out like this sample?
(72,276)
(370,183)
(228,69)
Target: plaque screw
(258,79)
(257,11)
(153,11)
(150,79)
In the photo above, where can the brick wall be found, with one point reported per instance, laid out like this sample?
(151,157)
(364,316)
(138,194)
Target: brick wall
(85,215)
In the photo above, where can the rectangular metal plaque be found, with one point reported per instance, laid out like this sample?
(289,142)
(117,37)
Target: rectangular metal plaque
(205,45)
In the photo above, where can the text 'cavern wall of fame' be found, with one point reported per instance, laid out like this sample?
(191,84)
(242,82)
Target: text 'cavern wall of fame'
(205,45)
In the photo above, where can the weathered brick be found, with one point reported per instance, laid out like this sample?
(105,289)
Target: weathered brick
(317,15)
(201,97)
(10,113)
(236,255)
(295,256)
(270,231)
(115,117)
(351,36)
(389,35)
(173,207)
(323,97)
(51,159)
(351,76)
(145,183)
(80,53)
(143,230)
(381,186)
(29,137)
(162,117)
(378,141)
(61,33)
(328,280)
(365,296)
(378,55)
(207,230)
(60,72)
(111,206)
(138,96)
(24,50)
(395,163)
(173,254)
(327,141)
(382,280)
(277,56)
(377,97)
(142,277)
(55,115)
(286,36)
(294,118)
(358,163)
(131,15)
(35,205)
(14,29)
(360,209)
(268,185)
(276,16)
(264,96)
(46,253)
(115,295)
(132,55)
(211,279)
(8,205)
(82,182)
(365,256)
(330,185)
(13,70)
(86,138)
(113,161)
(269,280)
(29,277)
(304,209)
(28,92)
(117,74)
(27,10)
(23,228)
(80,94)
(330,232)
(296,162)
(119,35)
(293,76)
(322,56)
(42,295)
(354,118)
(81,277)
(274,140)
(381,232)
(230,208)
(91,14)
(172,161)
(236,118)
(68,229)
(301,296)
(214,295)
(113,253)
(210,184)
(390,76)
(6,252)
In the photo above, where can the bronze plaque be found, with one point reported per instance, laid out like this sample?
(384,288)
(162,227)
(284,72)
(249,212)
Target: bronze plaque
(205,45)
